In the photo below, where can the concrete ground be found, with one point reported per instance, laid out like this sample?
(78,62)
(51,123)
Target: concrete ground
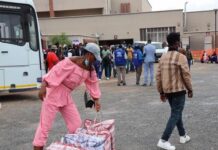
(139,114)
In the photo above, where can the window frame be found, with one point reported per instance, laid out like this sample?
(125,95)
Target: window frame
(33,14)
(11,40)
(156,34)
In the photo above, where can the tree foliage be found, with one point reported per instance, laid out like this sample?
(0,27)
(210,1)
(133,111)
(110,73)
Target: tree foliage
(60,39)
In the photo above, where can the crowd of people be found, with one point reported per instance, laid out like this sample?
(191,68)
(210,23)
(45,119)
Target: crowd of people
(117,60)
(86,63)
(205,58)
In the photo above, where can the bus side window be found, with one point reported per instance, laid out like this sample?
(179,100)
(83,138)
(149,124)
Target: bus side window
(32,33)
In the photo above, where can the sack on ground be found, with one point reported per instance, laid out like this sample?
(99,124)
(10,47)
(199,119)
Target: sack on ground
(61,146)
(106,127)
(88,142)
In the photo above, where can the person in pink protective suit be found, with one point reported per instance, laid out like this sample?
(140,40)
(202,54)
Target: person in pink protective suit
(56,89)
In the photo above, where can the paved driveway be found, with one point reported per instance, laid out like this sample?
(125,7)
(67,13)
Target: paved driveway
(140,116)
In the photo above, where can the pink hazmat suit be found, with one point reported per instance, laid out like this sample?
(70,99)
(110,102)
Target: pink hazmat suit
(62,79)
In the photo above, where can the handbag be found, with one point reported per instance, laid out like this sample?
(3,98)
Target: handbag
(89,102)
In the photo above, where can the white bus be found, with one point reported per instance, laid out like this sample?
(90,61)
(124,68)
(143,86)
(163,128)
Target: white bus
(21,57)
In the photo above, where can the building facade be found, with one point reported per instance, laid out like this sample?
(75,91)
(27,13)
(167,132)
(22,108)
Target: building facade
(114,21)
(115,28)
(63,8)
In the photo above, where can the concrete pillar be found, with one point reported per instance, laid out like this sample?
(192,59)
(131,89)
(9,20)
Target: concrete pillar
(51,8)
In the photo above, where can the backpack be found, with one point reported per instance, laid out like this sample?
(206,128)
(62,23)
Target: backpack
(107,59)
(119,55)
(137,58)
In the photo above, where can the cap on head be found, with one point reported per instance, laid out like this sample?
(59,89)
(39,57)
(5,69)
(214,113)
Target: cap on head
(94,49)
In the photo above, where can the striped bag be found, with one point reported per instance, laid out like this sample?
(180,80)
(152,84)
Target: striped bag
(61,146)
(106,127)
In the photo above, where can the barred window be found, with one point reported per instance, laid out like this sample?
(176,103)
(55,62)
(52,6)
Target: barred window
(156,34)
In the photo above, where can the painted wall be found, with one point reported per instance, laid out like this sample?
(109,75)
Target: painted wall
(199,25)
(63,5)
(77,4)
(146,6)
(108,6)
(199,21)
(41,5)
(106,26)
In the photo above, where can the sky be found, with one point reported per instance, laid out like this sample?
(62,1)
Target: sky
(192,5)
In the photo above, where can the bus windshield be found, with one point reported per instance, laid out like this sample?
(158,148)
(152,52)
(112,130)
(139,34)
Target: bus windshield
(18,25)
(11,29)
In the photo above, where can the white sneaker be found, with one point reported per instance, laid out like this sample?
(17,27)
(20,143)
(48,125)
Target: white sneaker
(184,139)
(165,145)
(107,78)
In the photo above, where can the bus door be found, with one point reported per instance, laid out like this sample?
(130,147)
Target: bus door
(13,51)
(2,82)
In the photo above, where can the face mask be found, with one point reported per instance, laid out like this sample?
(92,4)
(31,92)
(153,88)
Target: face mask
(86,62)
